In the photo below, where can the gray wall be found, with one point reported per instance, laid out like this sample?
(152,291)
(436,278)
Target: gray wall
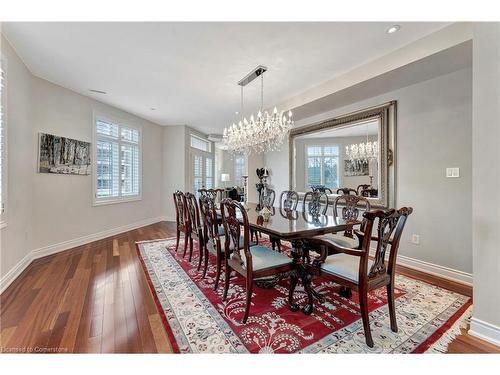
(433,132)
(16,237)
(486,200)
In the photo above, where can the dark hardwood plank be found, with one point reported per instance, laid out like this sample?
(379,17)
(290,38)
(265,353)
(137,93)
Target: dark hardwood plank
(95,298)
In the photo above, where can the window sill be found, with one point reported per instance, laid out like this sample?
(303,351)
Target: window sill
(106,202)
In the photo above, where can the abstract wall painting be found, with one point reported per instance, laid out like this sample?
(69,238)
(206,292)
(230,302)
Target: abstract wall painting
(356,168)
(63,155)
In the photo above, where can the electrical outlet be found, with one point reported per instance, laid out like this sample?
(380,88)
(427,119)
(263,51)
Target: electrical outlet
(415,239)
(453,172)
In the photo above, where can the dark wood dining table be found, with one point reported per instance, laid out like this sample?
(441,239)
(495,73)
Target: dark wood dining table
(297,227)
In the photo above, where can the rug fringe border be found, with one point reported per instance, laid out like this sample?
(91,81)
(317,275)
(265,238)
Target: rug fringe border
(452,333)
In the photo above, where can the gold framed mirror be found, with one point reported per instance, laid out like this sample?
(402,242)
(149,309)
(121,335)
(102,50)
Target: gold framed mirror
(354,154)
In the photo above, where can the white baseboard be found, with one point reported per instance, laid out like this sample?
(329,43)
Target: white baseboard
(14,272)
(485,331)
(41,252)
(433,269)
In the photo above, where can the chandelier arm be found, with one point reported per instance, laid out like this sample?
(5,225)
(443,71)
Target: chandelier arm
(262,92)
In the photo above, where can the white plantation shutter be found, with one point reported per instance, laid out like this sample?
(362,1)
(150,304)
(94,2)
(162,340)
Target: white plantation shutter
(239,170)
(118,164)
(3,175)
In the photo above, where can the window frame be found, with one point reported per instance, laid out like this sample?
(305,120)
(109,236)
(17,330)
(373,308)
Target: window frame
(121,123)
(322,156)
(195,136)
(5,163)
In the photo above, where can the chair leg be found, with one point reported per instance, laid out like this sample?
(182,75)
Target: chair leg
(178,238)
(201,246)
(190,248)
(363,305)
(217,272)
(249,283)
(227,274)
(279,245)
(186,239)
(392,307)
(205,265)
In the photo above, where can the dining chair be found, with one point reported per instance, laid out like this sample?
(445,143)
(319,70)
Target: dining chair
(213,194)
(370,192)
(212,234)
(289,200)
(321,188)
(180,219)
(266,199)
(256,261)
(362,187)
(346,191)
(352,268)
(348,208)
(312,202)
(195,227)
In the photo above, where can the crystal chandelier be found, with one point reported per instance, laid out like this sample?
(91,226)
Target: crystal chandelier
(263,133)
(363,151)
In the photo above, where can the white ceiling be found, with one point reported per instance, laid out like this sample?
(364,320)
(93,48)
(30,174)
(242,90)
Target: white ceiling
(188,71)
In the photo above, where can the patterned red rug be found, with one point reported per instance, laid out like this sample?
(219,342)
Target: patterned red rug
(198,321)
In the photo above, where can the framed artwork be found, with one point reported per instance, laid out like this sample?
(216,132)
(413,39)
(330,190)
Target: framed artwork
(356,168)
(62,155)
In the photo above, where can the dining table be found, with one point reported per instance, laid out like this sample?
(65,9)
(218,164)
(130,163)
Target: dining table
(297,227)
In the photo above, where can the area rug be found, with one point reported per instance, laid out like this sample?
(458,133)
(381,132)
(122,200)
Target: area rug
(198,321)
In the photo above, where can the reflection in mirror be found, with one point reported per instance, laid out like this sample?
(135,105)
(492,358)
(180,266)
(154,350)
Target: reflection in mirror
(338,158)
(351,155)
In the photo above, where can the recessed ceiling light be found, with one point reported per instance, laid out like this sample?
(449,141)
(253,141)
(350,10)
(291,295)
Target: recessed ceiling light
(236,113)
(393,29)
(97,91)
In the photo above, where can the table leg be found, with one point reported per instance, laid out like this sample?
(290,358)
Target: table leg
(293,283)
(306,281)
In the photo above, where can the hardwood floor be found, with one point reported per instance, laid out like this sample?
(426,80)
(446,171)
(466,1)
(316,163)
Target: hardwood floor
(95,298)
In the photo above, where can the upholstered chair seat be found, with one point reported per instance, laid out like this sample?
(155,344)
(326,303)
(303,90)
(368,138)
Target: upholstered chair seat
(343,265)
(263,258)
(340,240)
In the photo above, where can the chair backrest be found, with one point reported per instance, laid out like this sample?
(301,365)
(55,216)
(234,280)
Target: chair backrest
(289,200)
(193,212)
(209,218)
(370,192)
(321,188)
(233,230)
(346,191)
(267,197)
(362,187)
(180,213)
(212,194)
(312,202)
(350,206)
(389,229)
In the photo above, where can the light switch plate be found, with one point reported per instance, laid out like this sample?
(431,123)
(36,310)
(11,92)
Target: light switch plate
(415,239)
(453,172)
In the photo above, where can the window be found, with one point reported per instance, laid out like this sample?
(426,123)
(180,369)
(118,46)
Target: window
(117,162)
(239,170)
(3,148)
(322,166)
(201,144)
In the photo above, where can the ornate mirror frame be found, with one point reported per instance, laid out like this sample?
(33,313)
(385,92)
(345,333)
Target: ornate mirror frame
(387,114)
